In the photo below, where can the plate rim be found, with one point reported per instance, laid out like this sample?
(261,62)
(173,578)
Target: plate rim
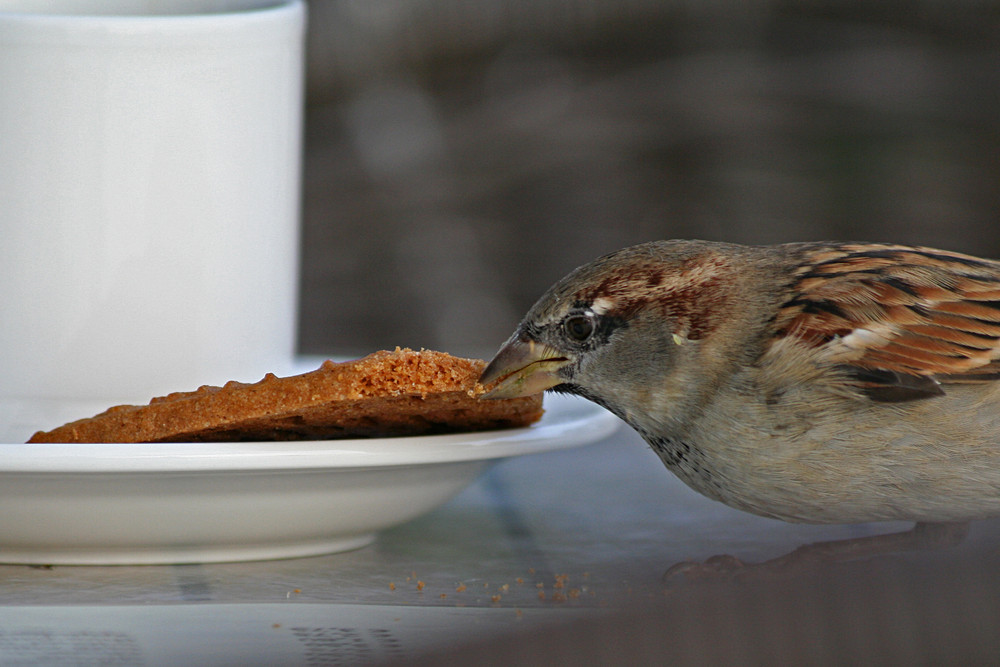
(569,421)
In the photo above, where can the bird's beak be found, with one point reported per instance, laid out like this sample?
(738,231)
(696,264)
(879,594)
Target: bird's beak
(523,368)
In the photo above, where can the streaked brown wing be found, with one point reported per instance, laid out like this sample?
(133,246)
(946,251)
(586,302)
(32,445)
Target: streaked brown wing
(903,320)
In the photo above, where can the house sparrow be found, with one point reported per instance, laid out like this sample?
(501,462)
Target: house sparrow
(811,382)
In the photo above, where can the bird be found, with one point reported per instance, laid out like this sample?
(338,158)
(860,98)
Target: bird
(817,382)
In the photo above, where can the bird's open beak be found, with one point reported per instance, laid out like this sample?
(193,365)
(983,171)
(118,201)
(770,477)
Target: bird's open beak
(523,368)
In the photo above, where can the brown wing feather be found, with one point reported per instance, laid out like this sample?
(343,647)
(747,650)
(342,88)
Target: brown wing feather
(903,320)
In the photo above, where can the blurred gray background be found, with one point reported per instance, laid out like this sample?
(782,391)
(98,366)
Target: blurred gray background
(462,156)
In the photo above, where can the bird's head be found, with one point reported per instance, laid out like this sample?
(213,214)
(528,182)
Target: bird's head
(632,330)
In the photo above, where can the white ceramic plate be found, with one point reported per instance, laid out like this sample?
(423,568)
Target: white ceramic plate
(211,502)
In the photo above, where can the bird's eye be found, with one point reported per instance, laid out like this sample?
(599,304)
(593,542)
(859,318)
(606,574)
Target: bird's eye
(579,327)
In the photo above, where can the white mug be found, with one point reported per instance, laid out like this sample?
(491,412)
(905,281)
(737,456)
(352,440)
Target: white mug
(149,200)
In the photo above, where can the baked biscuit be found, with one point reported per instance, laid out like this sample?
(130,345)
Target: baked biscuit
(384,394)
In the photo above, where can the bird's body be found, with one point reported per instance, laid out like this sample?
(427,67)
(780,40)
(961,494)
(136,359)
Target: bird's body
(827,382)
(808,458)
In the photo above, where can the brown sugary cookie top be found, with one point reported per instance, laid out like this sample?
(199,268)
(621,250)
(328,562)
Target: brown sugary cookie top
(387,393)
